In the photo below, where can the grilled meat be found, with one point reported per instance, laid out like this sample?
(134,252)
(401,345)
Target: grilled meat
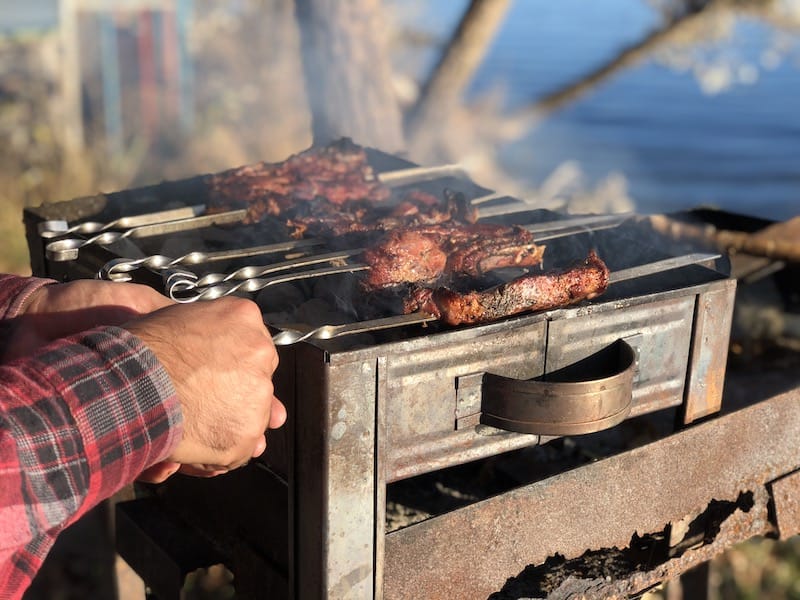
(421,255)
(338,173)
(416,208)
(328,191)
(530,292)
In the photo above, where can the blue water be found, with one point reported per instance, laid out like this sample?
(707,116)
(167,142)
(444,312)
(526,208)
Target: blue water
(677,146)
(31,14)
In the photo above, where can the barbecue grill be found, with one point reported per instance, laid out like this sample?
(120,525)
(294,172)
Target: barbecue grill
(379,399)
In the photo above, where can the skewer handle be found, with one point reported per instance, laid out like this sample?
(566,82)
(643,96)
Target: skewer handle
(120,269)
(185,290)
(60,228)
(69,248)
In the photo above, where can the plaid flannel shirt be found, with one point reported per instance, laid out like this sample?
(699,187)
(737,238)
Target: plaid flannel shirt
(79,419)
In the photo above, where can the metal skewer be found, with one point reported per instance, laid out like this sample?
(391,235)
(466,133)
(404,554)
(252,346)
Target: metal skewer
(120,269)
(68,248)
(254,272)
(288,336)
(60,228)
(183,219)
(408,175)
(184,291)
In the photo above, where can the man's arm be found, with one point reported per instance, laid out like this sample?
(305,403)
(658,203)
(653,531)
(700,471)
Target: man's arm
(79,419)
(82,414)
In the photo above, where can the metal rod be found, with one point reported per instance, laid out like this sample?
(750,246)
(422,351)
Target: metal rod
(660,266)
(254,272)
(184,290)
(59,228)
(68,248)
(487,198)
(589,222)
(287,336)
(120,269)
(412,174)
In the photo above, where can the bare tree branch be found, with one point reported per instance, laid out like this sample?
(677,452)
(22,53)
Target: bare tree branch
(457,65)
(625,58)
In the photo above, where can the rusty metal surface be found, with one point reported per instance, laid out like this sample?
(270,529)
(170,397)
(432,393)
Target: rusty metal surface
(786,496)
(597,506)
(709,353)
(589,395)
(663,329)
(423,396)
(334,475)
(738,527)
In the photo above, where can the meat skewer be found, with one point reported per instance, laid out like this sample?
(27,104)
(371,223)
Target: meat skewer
(120,269)
(421,255)
(292,336)
(321,181)
(540,291)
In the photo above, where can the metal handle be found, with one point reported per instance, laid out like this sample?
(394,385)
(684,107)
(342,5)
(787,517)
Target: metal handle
(590,395)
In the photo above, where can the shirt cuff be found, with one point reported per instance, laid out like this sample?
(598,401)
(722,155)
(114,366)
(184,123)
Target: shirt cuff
(15,291)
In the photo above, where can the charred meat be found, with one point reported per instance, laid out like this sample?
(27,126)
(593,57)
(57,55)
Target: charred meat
(423,254)
(415,208)
(530,292)
(339,173)
(329,191)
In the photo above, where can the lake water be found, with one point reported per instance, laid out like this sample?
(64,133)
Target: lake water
(677,145)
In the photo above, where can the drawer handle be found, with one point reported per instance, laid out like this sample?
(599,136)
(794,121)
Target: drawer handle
(590,395)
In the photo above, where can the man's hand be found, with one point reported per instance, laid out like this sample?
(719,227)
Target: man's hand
(58,310)
(221,359)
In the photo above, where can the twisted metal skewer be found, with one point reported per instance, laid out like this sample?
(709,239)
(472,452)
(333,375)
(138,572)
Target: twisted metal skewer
(287,336)
(185,290)
(59,228)
(120,269)
(68,248)
(254,272)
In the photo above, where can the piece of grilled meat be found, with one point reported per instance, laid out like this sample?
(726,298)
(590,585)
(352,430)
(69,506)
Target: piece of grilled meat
(531,292)
(329,191)
(423,254)
(338,173)
(416,208)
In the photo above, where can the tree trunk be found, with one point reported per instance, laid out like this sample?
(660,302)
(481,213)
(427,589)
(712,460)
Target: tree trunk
(457,65)
(348,74)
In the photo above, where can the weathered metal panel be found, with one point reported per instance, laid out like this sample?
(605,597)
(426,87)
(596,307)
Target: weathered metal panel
(662,331)
(786,498)
(422,401)
(470,552)
(335,453)
(709,356)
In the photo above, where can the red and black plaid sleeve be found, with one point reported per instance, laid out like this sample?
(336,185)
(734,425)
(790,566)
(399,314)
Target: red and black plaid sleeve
(79,420)
(15,290)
